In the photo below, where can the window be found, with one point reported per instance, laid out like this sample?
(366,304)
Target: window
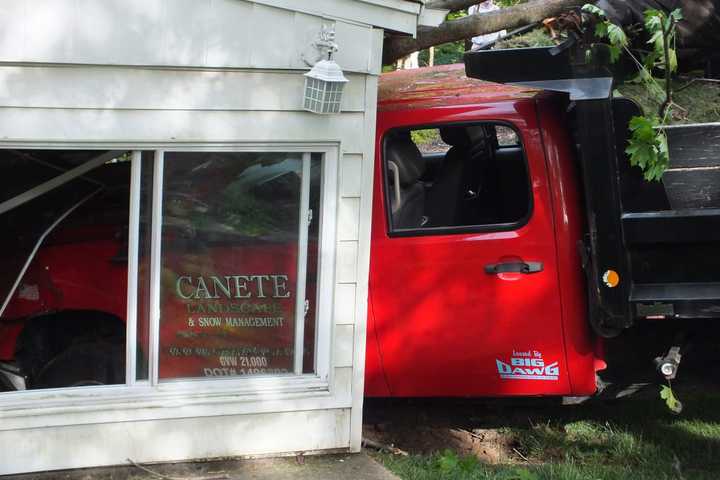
(456,178)
(147,267)
(239,263)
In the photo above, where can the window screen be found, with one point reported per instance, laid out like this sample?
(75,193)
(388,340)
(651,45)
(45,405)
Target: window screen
(456,178)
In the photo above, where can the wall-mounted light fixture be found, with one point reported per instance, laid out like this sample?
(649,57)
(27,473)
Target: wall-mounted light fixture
(324,84)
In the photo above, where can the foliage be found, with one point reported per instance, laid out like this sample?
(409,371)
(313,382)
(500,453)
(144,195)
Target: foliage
(445,54)
(647,147)
(534,38)
(699,98)
(606,29)
(672,402)
(508,3)
(425,137)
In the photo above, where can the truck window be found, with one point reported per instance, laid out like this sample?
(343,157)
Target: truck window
(455,178)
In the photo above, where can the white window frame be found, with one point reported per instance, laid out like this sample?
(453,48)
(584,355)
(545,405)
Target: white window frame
(250,394)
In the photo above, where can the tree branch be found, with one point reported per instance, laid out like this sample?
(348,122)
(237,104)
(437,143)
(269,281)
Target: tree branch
(473,25)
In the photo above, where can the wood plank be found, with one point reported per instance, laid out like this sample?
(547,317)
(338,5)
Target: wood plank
(161,89)
(344,311)
(347,262)
(343,341)
(693,188)
(172,440)
(348,218)
(694,145)
(351,175)
(133,126)
(342,384)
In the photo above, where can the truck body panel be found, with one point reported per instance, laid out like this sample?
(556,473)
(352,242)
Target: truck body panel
(441,324)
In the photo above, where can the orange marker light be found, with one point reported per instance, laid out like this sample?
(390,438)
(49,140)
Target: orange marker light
(611,278)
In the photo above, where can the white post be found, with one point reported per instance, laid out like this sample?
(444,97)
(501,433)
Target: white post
(132,282)
(155,267)
(301,280)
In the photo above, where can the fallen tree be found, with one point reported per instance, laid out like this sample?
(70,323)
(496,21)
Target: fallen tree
(473,25)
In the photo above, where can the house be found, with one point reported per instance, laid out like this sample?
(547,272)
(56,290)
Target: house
(237,283)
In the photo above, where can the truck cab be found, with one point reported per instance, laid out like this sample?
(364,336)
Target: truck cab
(476,284)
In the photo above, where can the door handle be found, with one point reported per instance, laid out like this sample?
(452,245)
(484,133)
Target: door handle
(513,267)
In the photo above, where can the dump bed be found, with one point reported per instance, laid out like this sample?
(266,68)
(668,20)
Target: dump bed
(651,248)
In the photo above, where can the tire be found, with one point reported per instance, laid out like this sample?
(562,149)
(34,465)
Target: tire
(84,364)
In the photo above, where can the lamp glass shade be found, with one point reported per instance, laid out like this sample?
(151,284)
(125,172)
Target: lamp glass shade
(324,86)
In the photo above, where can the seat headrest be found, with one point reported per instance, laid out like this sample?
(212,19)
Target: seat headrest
(401,150)
(455,136)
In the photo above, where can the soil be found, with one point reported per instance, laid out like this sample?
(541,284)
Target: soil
(488,445)
(468,427)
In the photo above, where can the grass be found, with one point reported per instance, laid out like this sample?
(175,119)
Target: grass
(533,38)
(701,100)
(631,439)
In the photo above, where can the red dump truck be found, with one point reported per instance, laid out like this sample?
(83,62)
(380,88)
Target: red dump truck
(510,240)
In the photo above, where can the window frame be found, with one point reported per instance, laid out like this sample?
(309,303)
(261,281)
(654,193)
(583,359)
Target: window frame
(136,393)
(453,230)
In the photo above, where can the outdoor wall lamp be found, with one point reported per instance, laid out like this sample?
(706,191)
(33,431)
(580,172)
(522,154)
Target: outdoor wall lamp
(325,82)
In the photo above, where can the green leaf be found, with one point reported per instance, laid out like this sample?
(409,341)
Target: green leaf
(647,147)
(642,127)
(616,35)
(673,60)
(677,15)
(614,53)
(656,37)
(590,8)
(601,29)
(672,403)
(653,20)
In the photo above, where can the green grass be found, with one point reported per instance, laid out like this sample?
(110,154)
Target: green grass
(631,439)
(700,100)
(533,38)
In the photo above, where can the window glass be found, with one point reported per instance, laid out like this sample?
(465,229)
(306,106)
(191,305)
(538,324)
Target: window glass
(455,177)
(506,136)
(63,280)
(429,141)
(313,263)
(144,266)
(230,292)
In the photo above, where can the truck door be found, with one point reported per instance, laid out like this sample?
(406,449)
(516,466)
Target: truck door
(464,287)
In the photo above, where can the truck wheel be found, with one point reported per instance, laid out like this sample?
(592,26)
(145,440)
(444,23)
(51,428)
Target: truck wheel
(84,364)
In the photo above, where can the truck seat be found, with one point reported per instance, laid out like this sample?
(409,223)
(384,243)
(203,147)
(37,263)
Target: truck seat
(405,160)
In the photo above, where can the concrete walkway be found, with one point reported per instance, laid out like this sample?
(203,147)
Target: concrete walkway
(325,467)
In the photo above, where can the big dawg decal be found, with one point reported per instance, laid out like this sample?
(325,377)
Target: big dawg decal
(527,365)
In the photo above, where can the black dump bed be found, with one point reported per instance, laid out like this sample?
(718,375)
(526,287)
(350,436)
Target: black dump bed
(661,238)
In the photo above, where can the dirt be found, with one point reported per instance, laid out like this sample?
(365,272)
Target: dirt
(487,444)
(479,428)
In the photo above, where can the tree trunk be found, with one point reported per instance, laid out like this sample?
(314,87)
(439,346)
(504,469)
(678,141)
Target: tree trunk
(473,25)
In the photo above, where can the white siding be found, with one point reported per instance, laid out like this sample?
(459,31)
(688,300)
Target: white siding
(173,33)
(78,446)
(160,89)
